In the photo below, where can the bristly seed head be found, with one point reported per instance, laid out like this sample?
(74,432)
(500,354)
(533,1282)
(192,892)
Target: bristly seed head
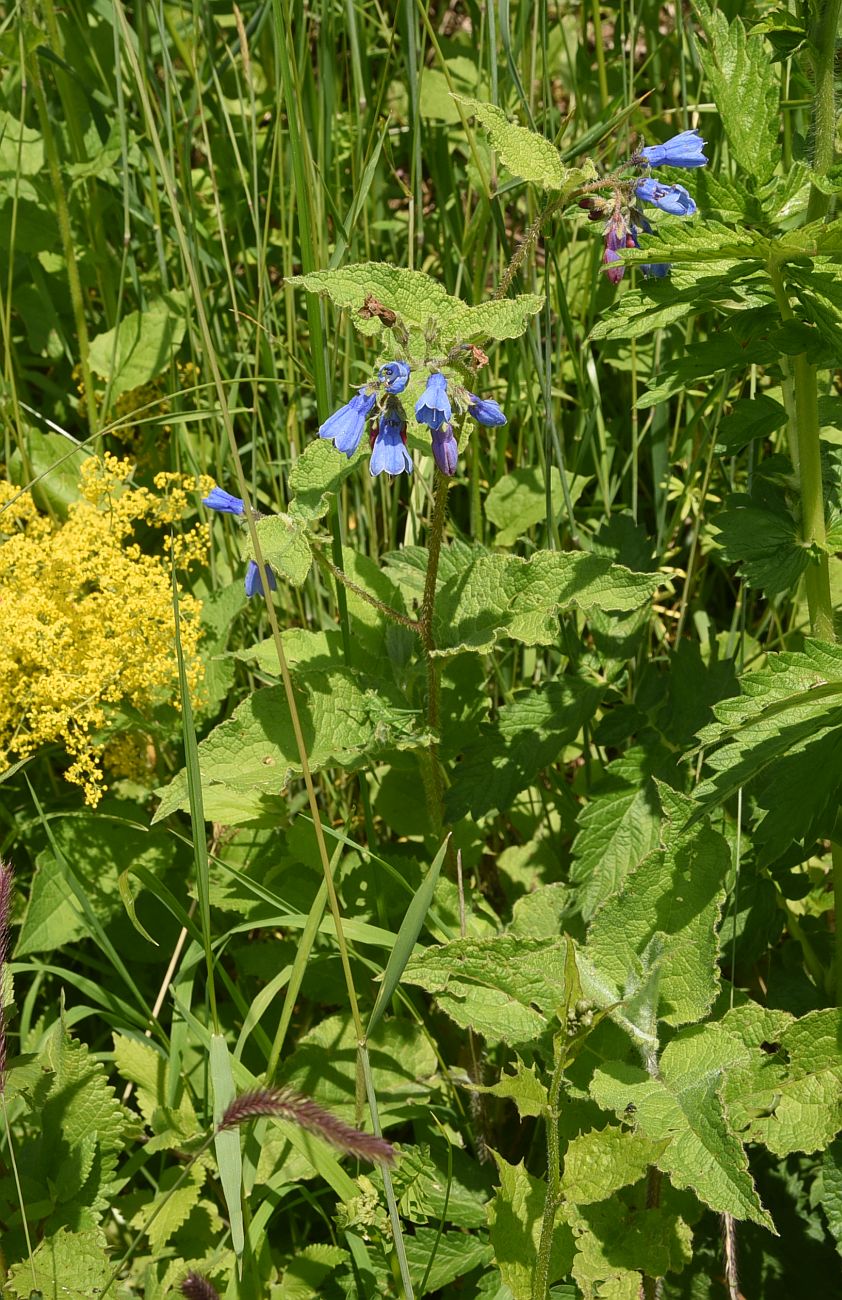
(286,1104)
(196,1287)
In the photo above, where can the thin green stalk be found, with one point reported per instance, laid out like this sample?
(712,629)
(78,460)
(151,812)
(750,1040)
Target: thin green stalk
(65,232)
(823,36)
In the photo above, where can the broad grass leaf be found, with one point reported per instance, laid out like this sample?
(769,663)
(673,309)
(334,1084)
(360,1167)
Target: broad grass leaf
(227,1144)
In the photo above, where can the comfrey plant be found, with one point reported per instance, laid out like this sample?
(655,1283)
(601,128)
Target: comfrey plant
(622,211)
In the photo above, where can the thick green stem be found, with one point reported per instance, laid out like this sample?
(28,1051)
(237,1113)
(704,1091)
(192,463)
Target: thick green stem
(805,436)
(823,42)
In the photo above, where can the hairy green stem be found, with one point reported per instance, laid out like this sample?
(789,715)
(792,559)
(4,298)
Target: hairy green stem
(386,610)
(805,436)
(823,36)
(541,1276)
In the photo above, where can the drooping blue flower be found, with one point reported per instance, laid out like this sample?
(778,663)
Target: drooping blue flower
(669,198)
(219,499)
(389,451)
(394,376)
(683,150)
(254,586)
(345,427)
(485,411)
(433,406)
(652,270)
(445,450)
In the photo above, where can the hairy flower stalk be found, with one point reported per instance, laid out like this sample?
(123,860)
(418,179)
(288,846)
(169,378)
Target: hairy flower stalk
(6,875)
(286,1104)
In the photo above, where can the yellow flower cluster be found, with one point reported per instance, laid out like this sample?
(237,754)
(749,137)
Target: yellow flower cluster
(87,613)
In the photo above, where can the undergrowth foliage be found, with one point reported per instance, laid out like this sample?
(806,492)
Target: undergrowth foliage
(423,726)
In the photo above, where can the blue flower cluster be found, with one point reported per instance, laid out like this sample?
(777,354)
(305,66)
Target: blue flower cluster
(388,431)
(625,218)
(226,504)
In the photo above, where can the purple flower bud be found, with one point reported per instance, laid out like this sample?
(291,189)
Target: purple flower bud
(445,449)
(683,150)
(669,198)
(218,499)
(394,376)
(345,427)
(485,411)
(254,586)
(617,236)
(433,407)
(389,448)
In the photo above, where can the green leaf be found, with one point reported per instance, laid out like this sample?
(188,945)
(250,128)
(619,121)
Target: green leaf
(456,1253)
(316,476)
(407,936)
(502,595)
(171,1205)
(140,347)
(619,1239)
(343,715)
(416,298)
(21,147)
(598,1163)
(783,737)
(283,541)
(523,1087)
(507,989)
(517,501)
(526,736)
(684,1117)
(827,1190)
(745,87)
(789,1097)
(618,827)
(678,240)
(55,463)
(227,1144)
(526,153)
(514,1222)
(750,418)
(403,1064)
(65,1266)
(764,543)
(673,898)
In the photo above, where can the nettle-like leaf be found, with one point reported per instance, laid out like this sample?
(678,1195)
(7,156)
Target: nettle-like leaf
(657,937)
(764,543)
(599,1163)
(504,596)
(678,240)
(526,153)
(345,717)
(73,1265)
(746,89)
(738,345)
(620,1238)
(317,475)
(786,1092)
(681,1111)
(750,418)
(506,755)
(782,738)
(515,1216)
(827,1190)
(618,827)
(659,303)
(419,302)
(523,1087)
(507,989)
(283,542)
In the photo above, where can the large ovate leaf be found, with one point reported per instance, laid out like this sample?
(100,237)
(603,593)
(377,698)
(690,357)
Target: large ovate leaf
(508,989)
(503,596)
(664,919)
(70,1265)
(283,542)
(417,299)
(140,347)
(685,1116)
(524,152)
(343,716)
